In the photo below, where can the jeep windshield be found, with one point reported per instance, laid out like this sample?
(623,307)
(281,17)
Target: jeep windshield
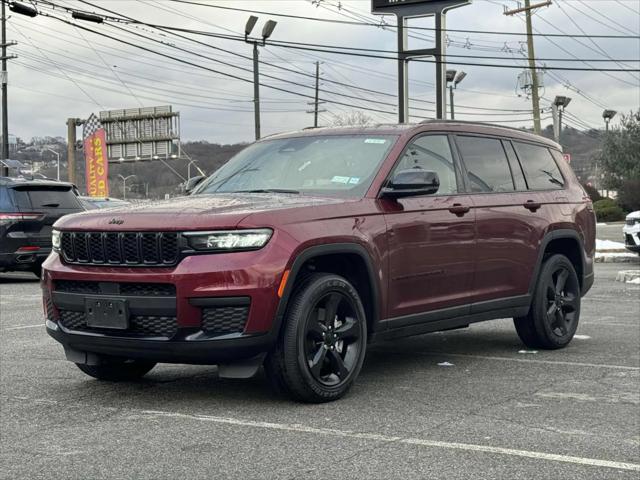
(333,165)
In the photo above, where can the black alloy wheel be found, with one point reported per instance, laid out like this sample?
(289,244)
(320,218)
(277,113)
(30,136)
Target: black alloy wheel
(334,339)
(554,314)
(563,294)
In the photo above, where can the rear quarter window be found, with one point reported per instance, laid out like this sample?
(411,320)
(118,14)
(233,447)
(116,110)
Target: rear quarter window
(6,201)
(36,198)
(540,168)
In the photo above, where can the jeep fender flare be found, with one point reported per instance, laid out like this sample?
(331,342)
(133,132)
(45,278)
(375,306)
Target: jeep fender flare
(318,251)
(564,233)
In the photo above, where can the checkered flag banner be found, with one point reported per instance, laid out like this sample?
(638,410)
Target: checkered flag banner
(91,126)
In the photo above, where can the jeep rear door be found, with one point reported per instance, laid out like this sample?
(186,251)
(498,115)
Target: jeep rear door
(430,238)
(510,221)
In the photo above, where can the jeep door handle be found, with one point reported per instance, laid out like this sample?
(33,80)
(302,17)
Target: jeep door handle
(531,205)
(459,209)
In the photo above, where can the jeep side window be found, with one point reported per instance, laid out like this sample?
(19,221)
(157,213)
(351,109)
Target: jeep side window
(540,169)
(486,163)
(432,153)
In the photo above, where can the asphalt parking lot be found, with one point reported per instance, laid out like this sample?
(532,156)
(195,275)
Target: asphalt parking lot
(458,404)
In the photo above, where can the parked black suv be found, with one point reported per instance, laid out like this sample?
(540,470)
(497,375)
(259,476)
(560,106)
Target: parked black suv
(28,209)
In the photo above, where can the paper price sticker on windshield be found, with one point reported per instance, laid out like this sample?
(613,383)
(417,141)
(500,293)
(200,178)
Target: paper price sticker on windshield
(339,179)
(375,140)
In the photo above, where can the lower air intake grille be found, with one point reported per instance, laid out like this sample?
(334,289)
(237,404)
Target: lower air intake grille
(139,325)
(224,319)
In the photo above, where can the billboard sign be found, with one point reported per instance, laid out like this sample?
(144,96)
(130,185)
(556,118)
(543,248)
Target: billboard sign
(430,6)
(95,157)
(141,133)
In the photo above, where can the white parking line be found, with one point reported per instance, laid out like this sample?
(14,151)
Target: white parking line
(154,414)
(404,440)
(22,327)
(520,360)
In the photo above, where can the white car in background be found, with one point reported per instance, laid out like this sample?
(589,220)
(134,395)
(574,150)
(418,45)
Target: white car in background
(631,232)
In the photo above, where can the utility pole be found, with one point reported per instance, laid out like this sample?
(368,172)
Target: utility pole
(315,102)
(535,99)
(5,115)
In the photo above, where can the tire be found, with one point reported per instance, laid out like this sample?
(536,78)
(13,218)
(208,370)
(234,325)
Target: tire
(37,272)
(555,308)
(323,341)
(122,371)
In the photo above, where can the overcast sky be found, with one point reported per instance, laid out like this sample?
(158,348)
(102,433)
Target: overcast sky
(65,72)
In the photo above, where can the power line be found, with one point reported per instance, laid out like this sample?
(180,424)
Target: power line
(354,51)
(383,24)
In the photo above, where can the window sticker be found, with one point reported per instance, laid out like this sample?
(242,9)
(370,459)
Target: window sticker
(379,141)
(354,180)
(339,179)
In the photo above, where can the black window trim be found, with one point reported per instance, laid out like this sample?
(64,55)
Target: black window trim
(460,185)
(518,164)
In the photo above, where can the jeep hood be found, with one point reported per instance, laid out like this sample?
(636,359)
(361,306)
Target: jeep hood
(197,212)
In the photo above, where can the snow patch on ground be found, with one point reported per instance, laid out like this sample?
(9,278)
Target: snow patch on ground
(609,245)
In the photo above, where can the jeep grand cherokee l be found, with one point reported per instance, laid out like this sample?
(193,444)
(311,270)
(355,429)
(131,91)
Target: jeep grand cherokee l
(307,247)
(28,209)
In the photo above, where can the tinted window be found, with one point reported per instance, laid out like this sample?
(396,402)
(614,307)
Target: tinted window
(43,197)
(516,169)
(6,204)
(486,163)
(540,168)
(432,153)
(341,165)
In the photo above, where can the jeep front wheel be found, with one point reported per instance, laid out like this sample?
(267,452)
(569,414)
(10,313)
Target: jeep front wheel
(322,346)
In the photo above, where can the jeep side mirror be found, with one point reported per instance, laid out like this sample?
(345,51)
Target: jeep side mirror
(412,182)
(192,183)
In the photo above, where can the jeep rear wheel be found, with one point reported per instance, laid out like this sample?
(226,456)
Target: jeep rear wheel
(322,346)
(118,371)
(555,309)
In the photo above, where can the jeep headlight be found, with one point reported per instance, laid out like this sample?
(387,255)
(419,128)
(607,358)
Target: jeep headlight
(229,240)
(55,239)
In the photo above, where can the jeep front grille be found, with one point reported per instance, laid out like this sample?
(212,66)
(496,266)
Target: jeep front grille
(120,248)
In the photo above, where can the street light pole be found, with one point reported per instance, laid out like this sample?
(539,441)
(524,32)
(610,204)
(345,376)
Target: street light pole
(256,90)
(267,30)
(608,115)
(58,157)
(124,185)
(453,79)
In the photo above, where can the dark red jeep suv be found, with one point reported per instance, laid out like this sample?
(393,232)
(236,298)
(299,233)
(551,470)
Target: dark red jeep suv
(307,247)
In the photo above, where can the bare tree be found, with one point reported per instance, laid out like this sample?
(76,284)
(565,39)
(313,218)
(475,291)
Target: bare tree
(352,118)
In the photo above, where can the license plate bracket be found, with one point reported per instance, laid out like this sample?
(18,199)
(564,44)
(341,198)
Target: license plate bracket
(110,313)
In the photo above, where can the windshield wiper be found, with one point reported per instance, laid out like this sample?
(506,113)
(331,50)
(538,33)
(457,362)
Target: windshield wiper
(268,190)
